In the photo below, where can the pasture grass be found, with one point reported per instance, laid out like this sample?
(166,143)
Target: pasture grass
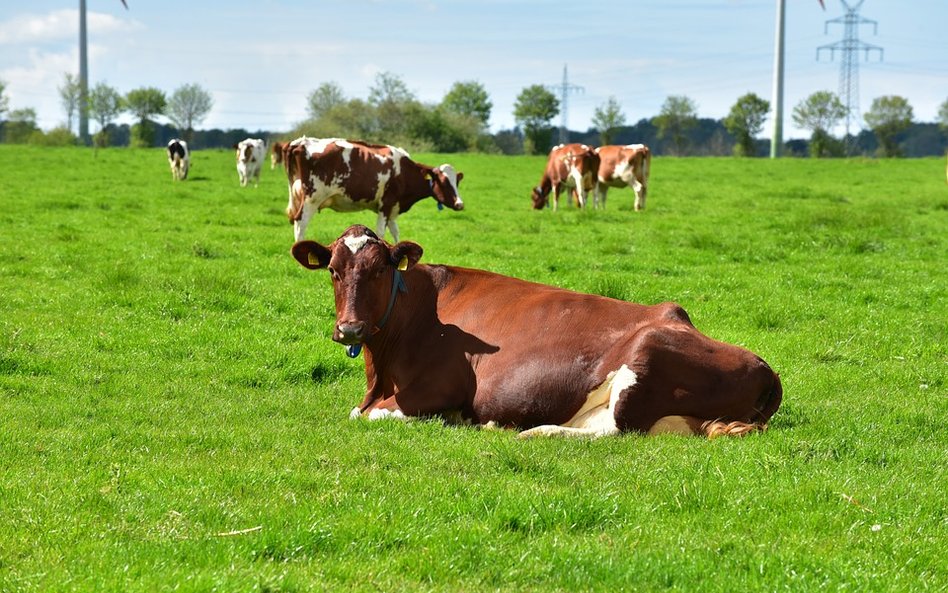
(173,413)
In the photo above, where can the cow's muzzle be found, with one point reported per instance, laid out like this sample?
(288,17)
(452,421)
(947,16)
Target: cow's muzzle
(350,332)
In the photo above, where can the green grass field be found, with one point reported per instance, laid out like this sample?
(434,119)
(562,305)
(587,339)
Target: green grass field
(174,415)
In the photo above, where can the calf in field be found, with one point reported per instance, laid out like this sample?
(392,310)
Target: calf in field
(347,175)
(459,342)
(572,167)
(179,159)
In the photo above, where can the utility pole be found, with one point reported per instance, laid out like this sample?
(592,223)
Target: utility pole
(776,139)
(849,47)
(83,78)
(84,75)
(565,88)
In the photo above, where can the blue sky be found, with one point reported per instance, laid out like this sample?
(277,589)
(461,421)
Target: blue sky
(260,59)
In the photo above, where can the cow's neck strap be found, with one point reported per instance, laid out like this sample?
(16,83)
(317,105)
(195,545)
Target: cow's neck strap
(398,285)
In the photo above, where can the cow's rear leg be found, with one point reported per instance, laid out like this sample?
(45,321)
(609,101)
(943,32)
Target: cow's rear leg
(691,384)
(691,425)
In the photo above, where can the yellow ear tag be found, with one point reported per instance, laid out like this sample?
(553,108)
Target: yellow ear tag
(313,260)
(403,265)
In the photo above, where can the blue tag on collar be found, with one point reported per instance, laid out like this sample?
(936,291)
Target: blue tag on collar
(440,206)
(353,350)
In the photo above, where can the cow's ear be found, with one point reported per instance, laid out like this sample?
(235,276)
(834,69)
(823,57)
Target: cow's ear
(311,254)
(460,177)
(406,254)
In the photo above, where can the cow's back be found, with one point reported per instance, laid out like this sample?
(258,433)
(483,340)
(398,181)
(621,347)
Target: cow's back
(541,347)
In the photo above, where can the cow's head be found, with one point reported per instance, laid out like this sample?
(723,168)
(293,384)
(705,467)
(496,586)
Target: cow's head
(539,197)
(365,272)
(444,182)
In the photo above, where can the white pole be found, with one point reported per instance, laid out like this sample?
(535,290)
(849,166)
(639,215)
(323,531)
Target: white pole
(83,77)
(776,140)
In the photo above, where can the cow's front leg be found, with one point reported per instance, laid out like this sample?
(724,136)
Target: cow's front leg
(299,226)
(379,410)
(387,220)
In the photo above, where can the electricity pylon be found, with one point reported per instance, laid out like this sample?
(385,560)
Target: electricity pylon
(565,88)
(849,48)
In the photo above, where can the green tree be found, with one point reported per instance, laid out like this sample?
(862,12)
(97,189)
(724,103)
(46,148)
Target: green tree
(943,116)
(534,108)
(745,121)
(327,96)
(606,118)
(393,103)
(820,112)
(144,103)
(187,107)
(20,125)
(69,97)
(4,100)
(888,117)
(678,115)
(351,119)
(105,105)
(469,99)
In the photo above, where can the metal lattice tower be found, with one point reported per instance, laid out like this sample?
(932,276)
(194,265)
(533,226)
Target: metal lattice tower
(849,48)
(565,88)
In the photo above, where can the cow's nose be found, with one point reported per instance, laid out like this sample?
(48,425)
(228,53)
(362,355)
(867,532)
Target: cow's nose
(350,332)
(459,205)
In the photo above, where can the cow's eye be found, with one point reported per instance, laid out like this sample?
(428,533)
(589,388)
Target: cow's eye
(335,276)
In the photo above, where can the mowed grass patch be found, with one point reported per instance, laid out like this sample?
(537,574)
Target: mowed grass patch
(174,415)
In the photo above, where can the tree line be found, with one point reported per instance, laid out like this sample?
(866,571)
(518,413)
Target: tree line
(459,122)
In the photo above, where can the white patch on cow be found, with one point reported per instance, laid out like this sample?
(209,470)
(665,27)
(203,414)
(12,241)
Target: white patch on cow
(624,171)
(380,414)
(381,181)
(355,413)
(317,146)
(635,146)
(356,243)
(597,416)
(576,179)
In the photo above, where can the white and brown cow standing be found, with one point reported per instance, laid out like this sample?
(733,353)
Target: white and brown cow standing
(276,154)
(459,342)
(623,166)
(348,175)
(179,158)
(571,167)
(250,155)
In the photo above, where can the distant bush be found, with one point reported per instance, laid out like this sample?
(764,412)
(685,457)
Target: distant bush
(60,136)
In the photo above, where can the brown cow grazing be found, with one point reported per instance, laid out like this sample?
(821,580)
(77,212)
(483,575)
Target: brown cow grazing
(347,175)
(276,154)
(451,341)
(623,166)
(569,166)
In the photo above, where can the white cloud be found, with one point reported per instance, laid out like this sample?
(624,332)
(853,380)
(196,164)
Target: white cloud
(58,25)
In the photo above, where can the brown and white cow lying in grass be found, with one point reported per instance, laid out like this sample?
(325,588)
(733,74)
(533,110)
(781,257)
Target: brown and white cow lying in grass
(451,341)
